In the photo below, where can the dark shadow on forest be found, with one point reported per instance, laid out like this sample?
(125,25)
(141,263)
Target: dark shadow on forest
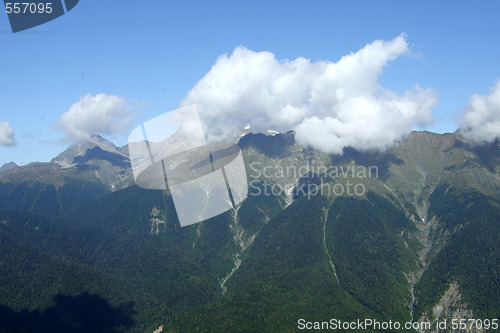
(98,154)
(486,153)
(275,146)
(382,160)
(84,313)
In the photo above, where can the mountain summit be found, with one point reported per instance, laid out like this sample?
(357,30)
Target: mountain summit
(80,149)
(84,172)
(8,166)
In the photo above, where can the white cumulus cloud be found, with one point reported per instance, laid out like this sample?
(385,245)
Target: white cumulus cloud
(330,105)
(481,119)
(99,114)
(7,135)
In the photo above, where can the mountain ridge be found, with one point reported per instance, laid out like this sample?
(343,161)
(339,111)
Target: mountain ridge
(306,253)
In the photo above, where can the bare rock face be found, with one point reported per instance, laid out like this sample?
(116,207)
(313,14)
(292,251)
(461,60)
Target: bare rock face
(67,157)
(452,309)
(98,156)
(8,166)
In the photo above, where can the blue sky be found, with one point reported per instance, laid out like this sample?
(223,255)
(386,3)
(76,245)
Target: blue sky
(152,53)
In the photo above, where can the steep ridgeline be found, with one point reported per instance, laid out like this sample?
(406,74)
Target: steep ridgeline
(8,166)
(84,172)
(407,234)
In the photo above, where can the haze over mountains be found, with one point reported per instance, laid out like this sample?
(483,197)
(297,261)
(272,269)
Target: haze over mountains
(419,242)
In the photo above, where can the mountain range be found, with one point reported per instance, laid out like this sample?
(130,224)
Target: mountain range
(407,235)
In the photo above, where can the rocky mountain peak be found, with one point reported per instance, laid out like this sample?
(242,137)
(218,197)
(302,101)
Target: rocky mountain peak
(70,156)
(8,166)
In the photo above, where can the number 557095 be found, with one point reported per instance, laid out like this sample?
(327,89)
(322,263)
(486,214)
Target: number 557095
(28,8)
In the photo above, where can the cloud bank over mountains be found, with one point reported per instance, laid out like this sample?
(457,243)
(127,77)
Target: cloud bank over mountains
(330,105)
(7,135)
(481,119)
